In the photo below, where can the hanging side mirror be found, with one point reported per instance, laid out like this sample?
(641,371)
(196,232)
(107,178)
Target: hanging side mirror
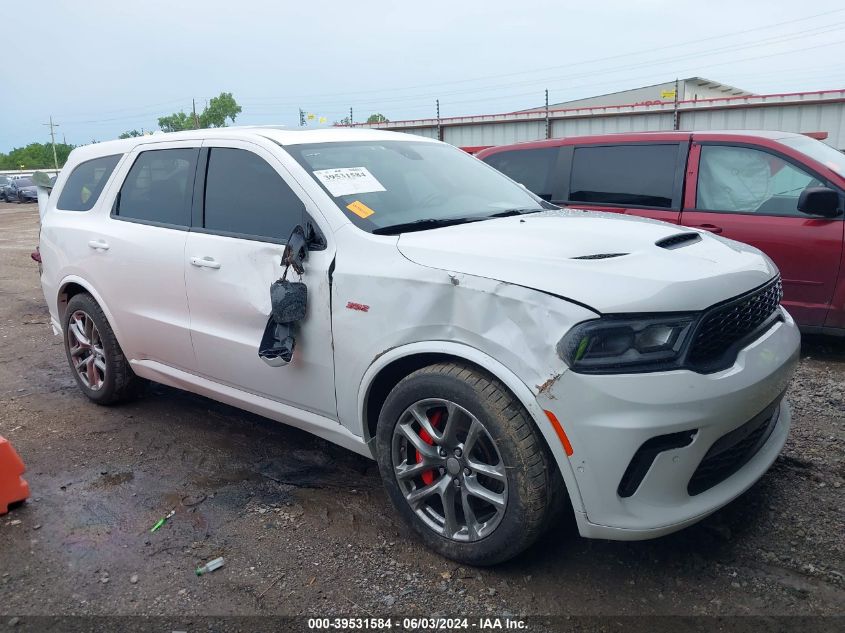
(288,304)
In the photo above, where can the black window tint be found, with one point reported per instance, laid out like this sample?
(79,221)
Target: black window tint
(529,167)
(85,183)
(159,187)
(641,175)
(244,195)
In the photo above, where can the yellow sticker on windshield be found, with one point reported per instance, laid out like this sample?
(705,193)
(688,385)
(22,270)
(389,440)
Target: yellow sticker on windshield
(360,209)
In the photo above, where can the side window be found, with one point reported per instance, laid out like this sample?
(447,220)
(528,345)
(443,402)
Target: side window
(85,183)
(746,180)
(245,196)
(641,175)
(159,187)
(529,167)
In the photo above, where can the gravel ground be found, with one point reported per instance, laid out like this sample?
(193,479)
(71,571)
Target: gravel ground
(305,527)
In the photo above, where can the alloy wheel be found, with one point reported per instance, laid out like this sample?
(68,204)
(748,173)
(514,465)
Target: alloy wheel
(86,350)
(449,470)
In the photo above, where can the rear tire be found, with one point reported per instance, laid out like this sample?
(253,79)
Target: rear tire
(94,355)
(452,422)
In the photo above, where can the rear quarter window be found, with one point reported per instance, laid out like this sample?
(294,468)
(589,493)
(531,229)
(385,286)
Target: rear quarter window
(86,182)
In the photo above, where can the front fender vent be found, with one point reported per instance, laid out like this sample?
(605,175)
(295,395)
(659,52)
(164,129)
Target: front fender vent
(678,241)
(600,256)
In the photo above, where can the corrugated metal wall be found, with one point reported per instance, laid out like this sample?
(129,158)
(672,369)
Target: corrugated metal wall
(611,124)
(493,133)
(800,112)
(788,118)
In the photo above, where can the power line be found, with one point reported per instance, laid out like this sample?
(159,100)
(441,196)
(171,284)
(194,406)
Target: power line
(579,63)
(270,101)
(609,70)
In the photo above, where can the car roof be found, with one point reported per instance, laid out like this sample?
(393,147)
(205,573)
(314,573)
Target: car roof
(632,137)
(278,134)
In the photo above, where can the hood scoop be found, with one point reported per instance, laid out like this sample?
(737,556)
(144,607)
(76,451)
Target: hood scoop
(601,256)
(679,240)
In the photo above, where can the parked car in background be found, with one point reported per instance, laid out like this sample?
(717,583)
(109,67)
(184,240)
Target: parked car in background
(21,190)
(4,182)
(501,359)
(780,192)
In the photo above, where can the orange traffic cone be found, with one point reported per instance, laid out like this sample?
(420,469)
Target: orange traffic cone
(13,488)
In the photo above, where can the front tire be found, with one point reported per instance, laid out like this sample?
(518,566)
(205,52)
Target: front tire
(465,465)
(94,355)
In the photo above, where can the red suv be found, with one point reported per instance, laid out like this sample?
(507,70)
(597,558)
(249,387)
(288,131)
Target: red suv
(780,192)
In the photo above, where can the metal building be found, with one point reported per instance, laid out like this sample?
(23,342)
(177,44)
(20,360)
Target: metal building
(690,89)
(821,113)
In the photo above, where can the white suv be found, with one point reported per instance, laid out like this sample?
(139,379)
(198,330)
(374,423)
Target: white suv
(502,359)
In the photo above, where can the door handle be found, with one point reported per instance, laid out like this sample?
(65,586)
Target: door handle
(709,227)
(205,262)
(99,245)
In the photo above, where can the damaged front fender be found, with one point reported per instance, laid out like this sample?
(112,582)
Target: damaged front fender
(415,309)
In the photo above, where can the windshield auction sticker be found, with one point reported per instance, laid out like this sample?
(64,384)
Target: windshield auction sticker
(345,181)
(360,209)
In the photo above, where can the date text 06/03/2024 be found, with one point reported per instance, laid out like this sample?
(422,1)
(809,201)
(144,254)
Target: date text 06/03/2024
(417,624)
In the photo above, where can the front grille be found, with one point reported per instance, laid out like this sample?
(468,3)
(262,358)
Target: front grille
(732,451)
(726,326)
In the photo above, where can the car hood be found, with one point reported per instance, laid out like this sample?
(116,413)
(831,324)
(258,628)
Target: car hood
(546,251)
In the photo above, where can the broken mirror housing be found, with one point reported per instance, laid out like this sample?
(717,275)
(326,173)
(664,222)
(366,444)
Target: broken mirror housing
(288,300)
(296,250)
(277,344)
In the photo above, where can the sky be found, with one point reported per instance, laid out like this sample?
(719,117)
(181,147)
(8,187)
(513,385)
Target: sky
(100,67)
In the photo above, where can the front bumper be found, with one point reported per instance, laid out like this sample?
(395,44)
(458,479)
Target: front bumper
(608,418)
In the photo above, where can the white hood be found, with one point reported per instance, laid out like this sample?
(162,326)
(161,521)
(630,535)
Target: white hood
(537,251)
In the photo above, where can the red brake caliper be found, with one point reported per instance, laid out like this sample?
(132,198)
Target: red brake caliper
(434,418)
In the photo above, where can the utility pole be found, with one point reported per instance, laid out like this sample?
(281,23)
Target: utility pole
(439,131)
(196,119)
(53,141)
(676,118)
(548,127)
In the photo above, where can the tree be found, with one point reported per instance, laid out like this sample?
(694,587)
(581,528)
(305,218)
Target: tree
(219,109)
(131,134)
(176,122)
(35,156)
(377,118)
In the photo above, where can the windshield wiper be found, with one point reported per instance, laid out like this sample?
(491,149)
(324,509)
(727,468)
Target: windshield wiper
(434,223)
(423,224)
(509,212)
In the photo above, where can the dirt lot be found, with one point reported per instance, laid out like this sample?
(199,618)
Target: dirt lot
(305,527)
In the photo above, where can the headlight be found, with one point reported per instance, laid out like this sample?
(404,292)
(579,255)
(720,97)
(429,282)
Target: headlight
(619,344)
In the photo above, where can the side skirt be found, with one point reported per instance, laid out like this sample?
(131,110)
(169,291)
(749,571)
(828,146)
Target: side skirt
(319,425)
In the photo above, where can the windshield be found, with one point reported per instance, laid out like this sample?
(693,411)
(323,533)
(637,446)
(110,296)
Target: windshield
(382,184)
(825,154)
(23,182)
